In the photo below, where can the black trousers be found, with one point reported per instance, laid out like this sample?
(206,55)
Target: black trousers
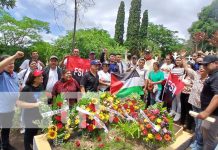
(5,125)
(186,119)
(28,137)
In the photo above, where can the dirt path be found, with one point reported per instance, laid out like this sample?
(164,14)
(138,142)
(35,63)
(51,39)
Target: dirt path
(16,139)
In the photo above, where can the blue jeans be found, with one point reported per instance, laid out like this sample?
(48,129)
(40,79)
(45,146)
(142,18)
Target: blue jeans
(155,97)
(198,132)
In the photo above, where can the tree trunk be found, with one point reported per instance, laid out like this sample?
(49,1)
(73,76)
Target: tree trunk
(74,28)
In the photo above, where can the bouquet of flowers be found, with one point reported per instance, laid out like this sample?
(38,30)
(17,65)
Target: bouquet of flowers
(156,126)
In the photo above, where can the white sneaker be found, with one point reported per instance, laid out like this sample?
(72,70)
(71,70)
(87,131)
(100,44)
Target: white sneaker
(177,117)
(172,113)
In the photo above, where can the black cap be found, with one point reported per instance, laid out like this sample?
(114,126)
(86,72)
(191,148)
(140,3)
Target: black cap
(209,59)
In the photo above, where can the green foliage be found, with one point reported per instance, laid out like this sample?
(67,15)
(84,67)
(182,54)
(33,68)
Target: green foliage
(119,26)
(20,32)
(87,40)
(162,40)
(132,37)
(143,30)
(207,23)
(7,3)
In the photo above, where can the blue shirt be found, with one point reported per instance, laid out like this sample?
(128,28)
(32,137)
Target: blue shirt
(9,89)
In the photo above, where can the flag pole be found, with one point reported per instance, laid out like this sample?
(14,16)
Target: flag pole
(165,87)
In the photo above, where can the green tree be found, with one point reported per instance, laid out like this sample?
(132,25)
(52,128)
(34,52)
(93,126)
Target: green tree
(119,26)
(160,39)
(20,32)
(132,37)
(207,23)
(87,40)
(144,30)
(7,3)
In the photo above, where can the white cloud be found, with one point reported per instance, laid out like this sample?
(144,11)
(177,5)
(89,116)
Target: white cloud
(174,14)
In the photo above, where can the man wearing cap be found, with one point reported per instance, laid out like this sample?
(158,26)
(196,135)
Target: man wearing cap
(90,80)
(51,74)
(92,56)
(209,103)
(148,60)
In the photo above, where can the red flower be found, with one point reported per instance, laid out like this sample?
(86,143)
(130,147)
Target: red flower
(60,125)
(158,137)
(92,107)
(117,139)
(77,143)
(132,109)
(148,126)
(59,104)
(152,118)
(134,102)
(99,139)
(90,127)
(101,145)
(135,115)
(116,120)
(167,137)
(125,106)
(58,118)
(145,132)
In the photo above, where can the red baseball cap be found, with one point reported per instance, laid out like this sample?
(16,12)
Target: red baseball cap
(37,73)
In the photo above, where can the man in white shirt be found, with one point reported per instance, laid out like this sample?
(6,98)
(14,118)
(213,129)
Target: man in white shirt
(104,77)
(35,57)
(149,61)
(51,74)
(120,63)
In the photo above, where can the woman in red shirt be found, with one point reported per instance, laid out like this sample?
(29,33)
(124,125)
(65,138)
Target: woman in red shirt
(66,85)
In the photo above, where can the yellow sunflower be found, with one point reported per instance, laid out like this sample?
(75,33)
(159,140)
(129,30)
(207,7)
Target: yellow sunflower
(53,128)
(52,134)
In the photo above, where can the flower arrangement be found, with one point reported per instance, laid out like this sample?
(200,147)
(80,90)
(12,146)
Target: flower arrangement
(97,113)
(156,128)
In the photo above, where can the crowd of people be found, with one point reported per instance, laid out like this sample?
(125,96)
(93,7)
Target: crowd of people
(199,75)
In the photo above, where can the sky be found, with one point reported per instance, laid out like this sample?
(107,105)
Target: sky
(176,15)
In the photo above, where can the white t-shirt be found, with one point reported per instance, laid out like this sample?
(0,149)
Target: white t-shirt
(23,76)
(25,65)
(52,79)
(166,69)
(122,67)
(149,66)
(105,77)
(142,73)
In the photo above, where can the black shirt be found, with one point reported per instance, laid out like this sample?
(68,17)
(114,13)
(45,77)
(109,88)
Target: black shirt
(31,94)
(209,90)
(90,82)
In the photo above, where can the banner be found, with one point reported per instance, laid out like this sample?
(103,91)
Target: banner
(78,66)
(173,87)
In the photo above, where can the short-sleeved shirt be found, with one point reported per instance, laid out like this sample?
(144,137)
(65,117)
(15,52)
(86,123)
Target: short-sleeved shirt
(90,82)
(142,73)
(9,90)
(155,77)
(209,90)
(106,77)
(31,94)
